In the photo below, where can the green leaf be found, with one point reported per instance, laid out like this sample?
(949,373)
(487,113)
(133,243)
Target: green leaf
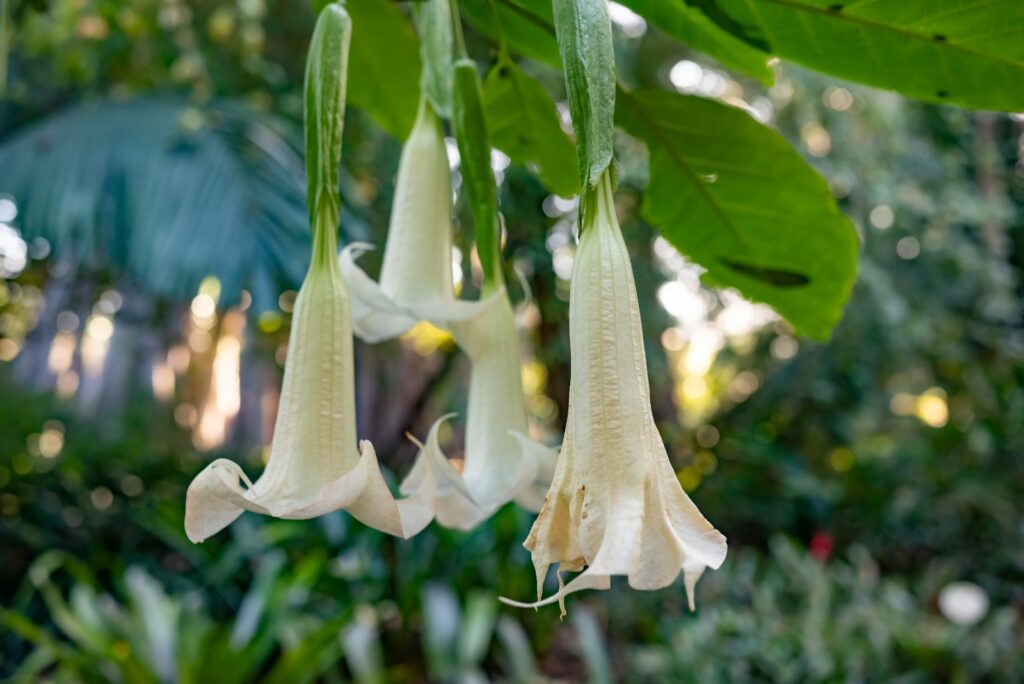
(524,124)
(526,26)
(326,76)
(966,52)
(385,58)
(736,198)
(470,129)
(585,41)
(697,31)
(434,24)
(5,45)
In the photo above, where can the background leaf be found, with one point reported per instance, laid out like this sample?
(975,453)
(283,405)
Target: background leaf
(735,197)
(385,82)
(967,52)
(695,30)
(523,123)
(526,25)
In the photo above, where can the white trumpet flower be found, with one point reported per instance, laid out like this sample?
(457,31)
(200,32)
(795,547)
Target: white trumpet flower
(615,506)
(501,463)
(416,280)
(314,464)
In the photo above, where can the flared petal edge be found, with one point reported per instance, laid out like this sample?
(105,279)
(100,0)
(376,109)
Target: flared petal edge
(216,498)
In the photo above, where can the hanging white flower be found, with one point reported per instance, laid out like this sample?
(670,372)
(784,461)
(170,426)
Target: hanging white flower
(314,464)
(416,274)
(501,462)
(615,506)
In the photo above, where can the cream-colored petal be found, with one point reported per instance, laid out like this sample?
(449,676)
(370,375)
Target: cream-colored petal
(416,274)
(417,265)
(314,466)
(375,317)
(615,506)
(496,404)
(215,498)
(434,478)
(536,478)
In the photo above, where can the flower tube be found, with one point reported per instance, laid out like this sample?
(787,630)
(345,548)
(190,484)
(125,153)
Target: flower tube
(501,462)
(615,506)
(315,466)
(416,274)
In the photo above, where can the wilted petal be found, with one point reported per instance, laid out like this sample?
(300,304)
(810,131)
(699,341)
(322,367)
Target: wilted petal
(615,506)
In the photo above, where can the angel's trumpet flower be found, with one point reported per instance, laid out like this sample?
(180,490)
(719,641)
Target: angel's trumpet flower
(501,463)
(314,464)
(615,506)
(416,275)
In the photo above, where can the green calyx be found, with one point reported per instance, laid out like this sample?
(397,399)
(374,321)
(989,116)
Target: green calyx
(470,128)
(325,85)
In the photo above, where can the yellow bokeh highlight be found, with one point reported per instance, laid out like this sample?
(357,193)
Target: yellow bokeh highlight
(931,407)
(841,459)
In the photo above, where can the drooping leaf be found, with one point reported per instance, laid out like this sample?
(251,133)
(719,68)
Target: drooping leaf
(585,41)
(471,135)
(527,26)
(736,198)
(965,52)
(434,24)
(695,30)
(168,192)
(523,123)
(385,65)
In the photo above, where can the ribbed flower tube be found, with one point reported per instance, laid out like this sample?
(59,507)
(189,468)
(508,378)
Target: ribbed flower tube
(615,506)
(416,274)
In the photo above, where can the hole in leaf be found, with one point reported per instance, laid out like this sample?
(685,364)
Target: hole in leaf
(835,8)
(772,276)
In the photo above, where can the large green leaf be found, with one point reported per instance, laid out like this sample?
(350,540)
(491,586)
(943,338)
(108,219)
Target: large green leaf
(523,123)
(526,26)
(966,52)
(735,197)
(168,192)
(690,25)
(384,65)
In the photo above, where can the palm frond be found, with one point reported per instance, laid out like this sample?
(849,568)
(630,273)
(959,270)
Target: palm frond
(167,191)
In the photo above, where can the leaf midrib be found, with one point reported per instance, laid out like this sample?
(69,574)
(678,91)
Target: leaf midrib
(796,5)
(695,179)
